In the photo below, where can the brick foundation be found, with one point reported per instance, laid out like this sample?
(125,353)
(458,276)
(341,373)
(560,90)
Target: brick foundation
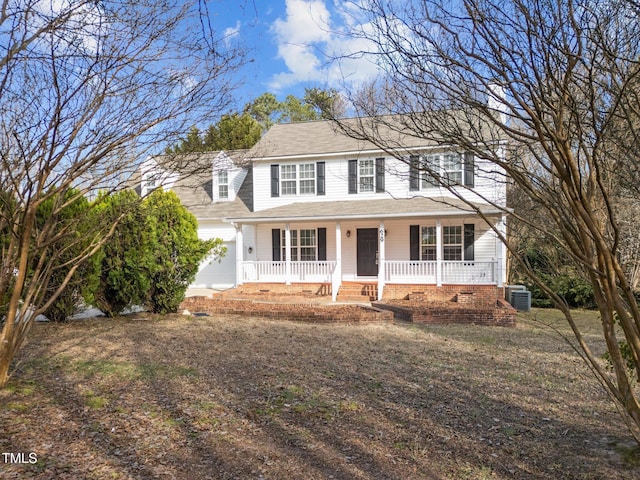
(300,312)
(501,315)
(488,294)
(306,302)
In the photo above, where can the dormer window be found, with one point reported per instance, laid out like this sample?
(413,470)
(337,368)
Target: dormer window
(151,181)
(223,184)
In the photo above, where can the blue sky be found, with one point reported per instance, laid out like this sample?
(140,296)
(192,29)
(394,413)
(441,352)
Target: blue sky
(289,42)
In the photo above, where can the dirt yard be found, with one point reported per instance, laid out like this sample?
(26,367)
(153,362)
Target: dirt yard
(228,397)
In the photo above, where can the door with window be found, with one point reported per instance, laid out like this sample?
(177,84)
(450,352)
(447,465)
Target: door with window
(367,252)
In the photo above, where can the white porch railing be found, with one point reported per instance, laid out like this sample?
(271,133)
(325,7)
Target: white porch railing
(464,272)
(410,272)
(473,273)
(303,272)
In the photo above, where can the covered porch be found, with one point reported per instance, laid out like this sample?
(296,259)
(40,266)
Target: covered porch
(415,241)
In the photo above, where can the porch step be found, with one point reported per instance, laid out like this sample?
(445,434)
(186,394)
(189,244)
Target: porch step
(357,292)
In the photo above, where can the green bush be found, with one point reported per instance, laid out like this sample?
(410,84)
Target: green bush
(73,218)
(126,257)
(153,255)
(577,292)
(177,249)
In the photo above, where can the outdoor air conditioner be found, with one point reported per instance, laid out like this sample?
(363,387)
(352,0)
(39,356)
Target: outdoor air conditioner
(521,300)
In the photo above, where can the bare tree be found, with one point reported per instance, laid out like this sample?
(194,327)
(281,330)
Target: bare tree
(555,86)
(87,89)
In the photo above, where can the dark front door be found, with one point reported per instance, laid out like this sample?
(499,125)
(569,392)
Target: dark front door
(367,252)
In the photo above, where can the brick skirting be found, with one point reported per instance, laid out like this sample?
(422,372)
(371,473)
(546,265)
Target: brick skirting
(300,312)
(501,315)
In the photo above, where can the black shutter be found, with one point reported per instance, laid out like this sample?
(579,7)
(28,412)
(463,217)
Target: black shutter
(414,242)
(379,174)
(322,244)
(276,247)
(353,176)
(469,169)
(320,178)
(414,173)
(275,180)
(469,238)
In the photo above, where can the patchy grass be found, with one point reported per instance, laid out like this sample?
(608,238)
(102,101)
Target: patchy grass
(242,398)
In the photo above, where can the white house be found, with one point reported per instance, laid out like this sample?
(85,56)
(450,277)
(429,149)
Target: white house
(308,205)
(331,209)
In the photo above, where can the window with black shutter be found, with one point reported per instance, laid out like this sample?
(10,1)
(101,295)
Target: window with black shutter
(353,176)
(322,244)
(469,169)
(469,239)
(320,187)
(414,173)
(379,175)
(275,245)
(414,242)
(275,180)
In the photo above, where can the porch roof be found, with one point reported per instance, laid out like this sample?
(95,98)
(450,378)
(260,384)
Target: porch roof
(367,209)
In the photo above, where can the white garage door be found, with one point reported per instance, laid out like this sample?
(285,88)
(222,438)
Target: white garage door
(218,274)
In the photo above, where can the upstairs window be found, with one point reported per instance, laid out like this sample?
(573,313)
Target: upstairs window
(288,180)
(151,181)
(366,175)
(430,171)
(303,179)
(223,184)
(452,169)
(308,179)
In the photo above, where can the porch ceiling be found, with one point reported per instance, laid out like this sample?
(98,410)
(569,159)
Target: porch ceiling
(367,209)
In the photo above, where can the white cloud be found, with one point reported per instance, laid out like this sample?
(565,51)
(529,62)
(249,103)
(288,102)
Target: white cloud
(317,47)
(231,32)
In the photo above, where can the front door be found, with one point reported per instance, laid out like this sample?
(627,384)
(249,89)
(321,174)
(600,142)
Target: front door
(367,252)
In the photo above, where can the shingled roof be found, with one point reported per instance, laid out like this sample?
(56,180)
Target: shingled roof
(363,209)
(195,193)
(324,137)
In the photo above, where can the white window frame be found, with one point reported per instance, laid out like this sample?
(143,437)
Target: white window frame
(452,243)
(428,243)
(307,178)
(448,166)
(308,245)
(366,176)
(453,168)
(223,184)
(304,245)
(288,180)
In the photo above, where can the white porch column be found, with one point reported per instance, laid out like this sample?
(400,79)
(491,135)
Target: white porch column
(501,251)
(336,279)
(287,254)
(381,258)
(239,254)
(438,253)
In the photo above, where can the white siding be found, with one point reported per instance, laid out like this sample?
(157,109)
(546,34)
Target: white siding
(489,184)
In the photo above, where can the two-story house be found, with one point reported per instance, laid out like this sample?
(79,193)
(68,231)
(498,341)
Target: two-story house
(313,207)
(328,209)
